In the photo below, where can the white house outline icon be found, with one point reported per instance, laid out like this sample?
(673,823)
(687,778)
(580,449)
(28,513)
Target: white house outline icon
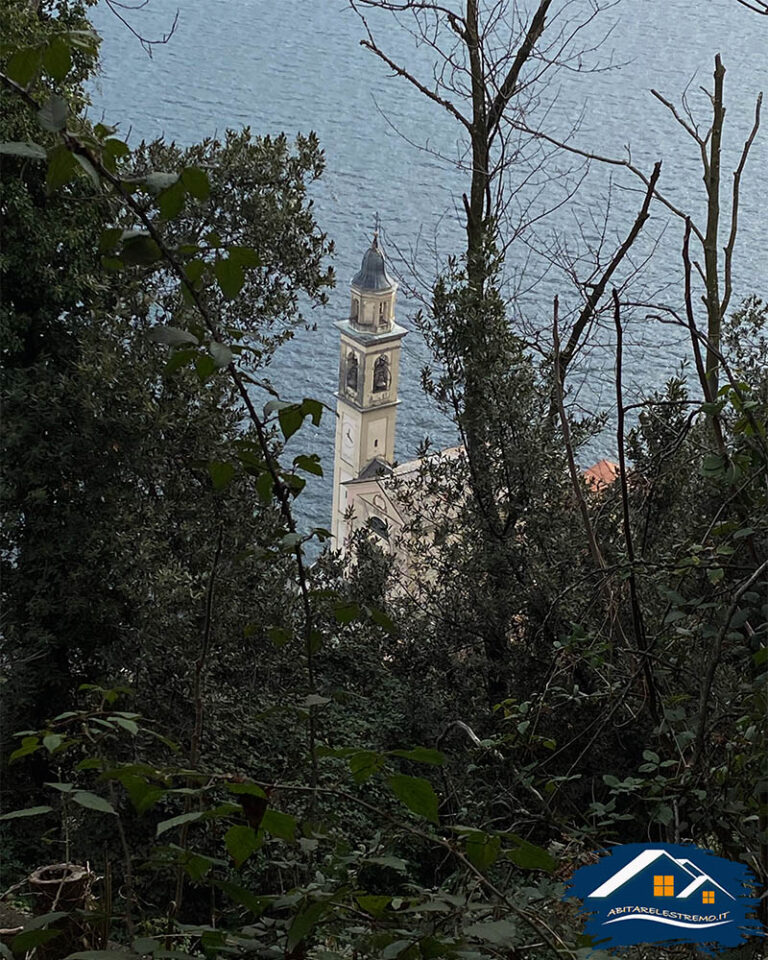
(645,859)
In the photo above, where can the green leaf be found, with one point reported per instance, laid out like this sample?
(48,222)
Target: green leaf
(421,755)
(278,636)
(241,841)
(62,168)
(304,921)
(230,277)
(172,335)
(179,359)
(29,939)
(198,866)
(142,795)
(280,825)
(382,620)
(312,408)
(102,955)
(53,114)
(395,949)
(182,818)
(24,65)
(27,812)
(392,863)
(221,473)
(52,741)
(116,148)
(715,574)
(498,932)
(315,700)
(143,945)
(247,789)
(194,270)
(93,802)
(364,763)
(109,239)
(529,856)
(170,201)
(28,745)
(290,419)
(16,149)
(713,465)
(196,182)
(130,725)
(244,256)
(264,486)
(375,905)
(57,59)
(222,355)
(257,905)
(90,763)
(140,250)
(204,367)
(417,794)
(309,463)
(346,611)
(34,932)
(483,850)
(89,169)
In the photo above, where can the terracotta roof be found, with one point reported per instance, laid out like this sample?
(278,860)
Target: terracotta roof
(601,474)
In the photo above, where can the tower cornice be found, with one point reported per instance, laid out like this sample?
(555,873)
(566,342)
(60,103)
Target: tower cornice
(368,408)
(367,338)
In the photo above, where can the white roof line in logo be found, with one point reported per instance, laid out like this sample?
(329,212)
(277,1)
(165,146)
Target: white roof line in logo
(700,881)
(645,859)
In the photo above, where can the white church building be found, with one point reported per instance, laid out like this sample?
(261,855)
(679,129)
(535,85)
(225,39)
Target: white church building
(369,369)
(366,479)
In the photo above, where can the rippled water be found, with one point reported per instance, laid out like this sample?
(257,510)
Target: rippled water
(296,65)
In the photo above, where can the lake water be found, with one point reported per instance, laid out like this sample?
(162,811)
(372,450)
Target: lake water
(296,65)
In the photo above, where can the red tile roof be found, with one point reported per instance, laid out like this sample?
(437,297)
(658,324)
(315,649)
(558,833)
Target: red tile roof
(601,474)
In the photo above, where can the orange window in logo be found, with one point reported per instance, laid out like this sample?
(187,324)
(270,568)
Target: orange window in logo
(663,886)
(708,896)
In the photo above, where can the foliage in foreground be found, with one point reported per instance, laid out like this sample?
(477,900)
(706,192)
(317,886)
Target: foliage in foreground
(274,803)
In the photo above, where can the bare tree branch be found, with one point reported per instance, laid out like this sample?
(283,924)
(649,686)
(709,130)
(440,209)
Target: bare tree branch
(735,207)
(116,6)
(576,479)
(509,86)
(637,616)
(597,289)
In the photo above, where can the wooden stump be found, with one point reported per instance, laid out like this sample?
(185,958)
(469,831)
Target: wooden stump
(61,886)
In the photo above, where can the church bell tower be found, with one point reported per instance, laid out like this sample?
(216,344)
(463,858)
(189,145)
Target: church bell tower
(369,367)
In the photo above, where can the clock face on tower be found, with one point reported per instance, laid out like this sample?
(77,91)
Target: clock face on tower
(349,433)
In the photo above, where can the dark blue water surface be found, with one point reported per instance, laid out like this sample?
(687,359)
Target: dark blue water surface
(296,65)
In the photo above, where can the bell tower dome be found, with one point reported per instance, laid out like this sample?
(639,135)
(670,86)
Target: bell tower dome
(369,367)
(373,293)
